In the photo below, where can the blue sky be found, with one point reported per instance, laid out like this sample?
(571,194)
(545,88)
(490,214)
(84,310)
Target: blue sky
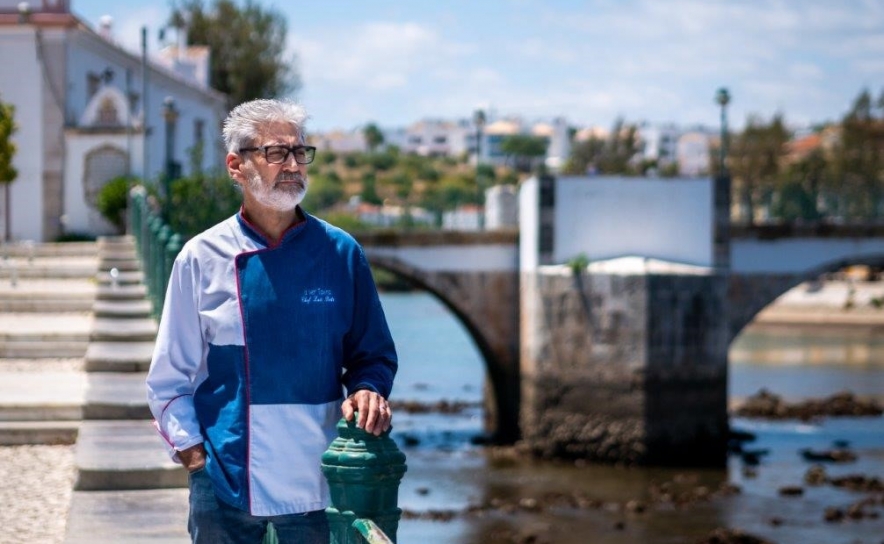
(395,62)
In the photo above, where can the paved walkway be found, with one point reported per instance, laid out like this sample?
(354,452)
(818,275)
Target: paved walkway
(80,461)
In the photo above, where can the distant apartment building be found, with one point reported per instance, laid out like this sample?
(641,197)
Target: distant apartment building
(445,138)
(464,217)
(693,152)
(436,138)
(389,216)
(339,141)
(556,134)
(657,144)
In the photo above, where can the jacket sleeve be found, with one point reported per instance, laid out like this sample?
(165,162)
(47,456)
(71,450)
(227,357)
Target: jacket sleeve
(370,360)
(177,361)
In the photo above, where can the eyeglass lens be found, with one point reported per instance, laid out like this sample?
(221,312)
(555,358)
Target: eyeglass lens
(278,154)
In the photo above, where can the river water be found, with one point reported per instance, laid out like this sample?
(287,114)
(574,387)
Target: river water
(450,482)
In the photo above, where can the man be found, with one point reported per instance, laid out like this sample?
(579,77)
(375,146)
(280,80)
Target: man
(267,315)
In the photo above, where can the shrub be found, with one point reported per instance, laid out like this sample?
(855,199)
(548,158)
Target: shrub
(112,201)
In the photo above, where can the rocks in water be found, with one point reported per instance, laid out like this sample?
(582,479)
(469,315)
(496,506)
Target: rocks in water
(860,483)
(441,407)
(815,475)
(765,404)
(828,456)
(791,491)
(732,536)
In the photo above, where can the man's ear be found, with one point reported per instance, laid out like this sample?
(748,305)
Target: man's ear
(234,167)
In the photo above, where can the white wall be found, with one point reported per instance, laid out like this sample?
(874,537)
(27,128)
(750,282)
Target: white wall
(21,84)
(529,224)
(609,217)
(485,258)
(78,216)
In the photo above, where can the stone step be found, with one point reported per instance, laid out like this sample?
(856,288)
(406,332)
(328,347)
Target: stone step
(123,330)
(116,395)
(45,305)
(41,394)
(123,278)
(122,309)
(68,249)
(149,516)
(33,433)
(122,292)
(123,263)
(48,268)
(42,336)
(123,455)
(42,349)
(117,240)
(118,356)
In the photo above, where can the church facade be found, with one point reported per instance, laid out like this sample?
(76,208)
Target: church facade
(89,111)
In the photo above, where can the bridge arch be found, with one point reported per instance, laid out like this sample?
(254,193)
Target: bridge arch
(487,303)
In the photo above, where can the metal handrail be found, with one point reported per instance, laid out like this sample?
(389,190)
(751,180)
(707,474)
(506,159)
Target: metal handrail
(157,246)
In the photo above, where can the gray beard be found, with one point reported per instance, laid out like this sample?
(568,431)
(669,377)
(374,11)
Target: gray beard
(279,196)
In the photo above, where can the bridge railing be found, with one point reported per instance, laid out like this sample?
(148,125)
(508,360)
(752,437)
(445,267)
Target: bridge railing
(156,243)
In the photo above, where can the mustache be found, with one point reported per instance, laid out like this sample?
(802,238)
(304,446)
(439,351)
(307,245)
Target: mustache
(289,177)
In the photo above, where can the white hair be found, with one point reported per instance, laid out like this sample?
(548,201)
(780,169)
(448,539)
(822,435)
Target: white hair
(244,123)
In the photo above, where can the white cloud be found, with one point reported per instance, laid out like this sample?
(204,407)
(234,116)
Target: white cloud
(378,56)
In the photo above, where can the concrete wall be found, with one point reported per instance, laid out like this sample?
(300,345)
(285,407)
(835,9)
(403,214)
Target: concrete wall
(21,84)
(607,217)
(624,367)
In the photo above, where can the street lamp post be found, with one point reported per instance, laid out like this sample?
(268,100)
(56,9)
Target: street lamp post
(722,97)
(479,121)
(170,114)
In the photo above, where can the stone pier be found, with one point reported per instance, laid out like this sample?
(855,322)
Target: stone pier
(625,362)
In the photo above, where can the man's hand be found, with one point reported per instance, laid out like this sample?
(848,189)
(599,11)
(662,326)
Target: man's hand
(193,458)
(374,411)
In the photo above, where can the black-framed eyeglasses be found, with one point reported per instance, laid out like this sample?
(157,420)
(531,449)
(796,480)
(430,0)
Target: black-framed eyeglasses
(278,154)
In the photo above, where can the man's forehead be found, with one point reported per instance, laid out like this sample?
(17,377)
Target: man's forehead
(283,132)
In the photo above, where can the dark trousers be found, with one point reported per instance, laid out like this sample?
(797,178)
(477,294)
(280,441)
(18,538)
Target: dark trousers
(214,522)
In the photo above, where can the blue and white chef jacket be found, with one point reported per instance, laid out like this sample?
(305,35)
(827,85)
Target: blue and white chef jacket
(254,345)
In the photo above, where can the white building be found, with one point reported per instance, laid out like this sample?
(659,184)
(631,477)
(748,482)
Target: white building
(338,141)
(465,217)
(436,138)
(693,152)
(85,115)
(501,207)
(658,143)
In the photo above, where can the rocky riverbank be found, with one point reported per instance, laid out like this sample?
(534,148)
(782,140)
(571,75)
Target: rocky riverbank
(832,304)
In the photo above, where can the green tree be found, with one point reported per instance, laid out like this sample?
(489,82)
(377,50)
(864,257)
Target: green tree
(756,161)
(248,56)
(374,138)
(325,191)
(613,155)
(369,193)
(8,173)
(858,161)
(585,156)
(112,200)
(525,150)
(200,201)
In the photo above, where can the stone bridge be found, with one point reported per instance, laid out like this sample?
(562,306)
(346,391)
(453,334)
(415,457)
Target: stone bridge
(477,276)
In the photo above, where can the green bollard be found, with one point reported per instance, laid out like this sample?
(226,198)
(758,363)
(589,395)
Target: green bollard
(153,252)
(159,269)
(363,473)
